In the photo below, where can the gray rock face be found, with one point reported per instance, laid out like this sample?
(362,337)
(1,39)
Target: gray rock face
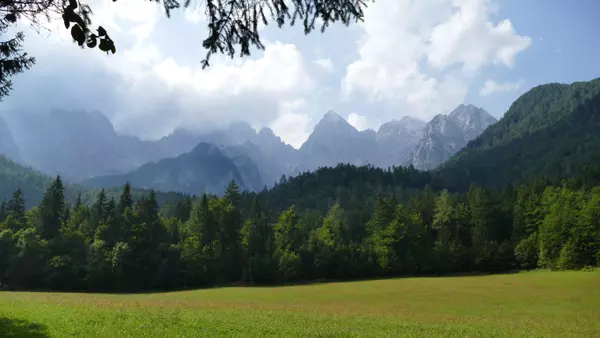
(445,135)
(80,145)
(272,156)
(396,139)
(335,141)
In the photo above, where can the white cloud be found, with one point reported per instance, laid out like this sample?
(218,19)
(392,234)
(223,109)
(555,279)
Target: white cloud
(423,55)
(153,88)
(194,15)
(491,87)
(415,58)
(358,121)
(292,125)
(252,90)
(469,39)
(281,72)
(325,64)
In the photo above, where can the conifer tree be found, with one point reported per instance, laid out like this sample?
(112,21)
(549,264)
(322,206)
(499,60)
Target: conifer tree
(16,209)
(52,208)
(7,250)
(109,231)
(3,212)
(287,243)
(78,202)
(67,213)
(231,254)
(256,240)
(125,200)
(99,207)
(199,244)
(332,243)
(12,59)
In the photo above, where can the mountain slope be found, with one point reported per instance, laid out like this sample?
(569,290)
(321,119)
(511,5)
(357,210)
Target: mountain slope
(14,176)
(396,139)
(78,144)
(248,169)
(204,169)
(444,135)
(334,141)
(8,147)
(550,131)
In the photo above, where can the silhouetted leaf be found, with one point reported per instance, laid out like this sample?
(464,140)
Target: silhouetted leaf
(11,17)
(104,45)
(91,43)
(101,31)
(77,34)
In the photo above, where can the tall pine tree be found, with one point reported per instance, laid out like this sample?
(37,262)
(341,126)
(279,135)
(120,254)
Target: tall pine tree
(16,210)
(52,208)
(125,200)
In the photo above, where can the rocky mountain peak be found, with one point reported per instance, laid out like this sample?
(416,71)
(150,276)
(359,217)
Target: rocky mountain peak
(444,135)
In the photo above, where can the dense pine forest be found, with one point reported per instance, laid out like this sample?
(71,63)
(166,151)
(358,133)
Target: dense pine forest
(523,195)
(336,223)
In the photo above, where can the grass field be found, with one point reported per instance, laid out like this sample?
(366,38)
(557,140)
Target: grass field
(533,304)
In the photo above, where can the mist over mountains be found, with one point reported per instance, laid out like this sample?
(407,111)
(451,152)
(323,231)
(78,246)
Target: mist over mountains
(84,147)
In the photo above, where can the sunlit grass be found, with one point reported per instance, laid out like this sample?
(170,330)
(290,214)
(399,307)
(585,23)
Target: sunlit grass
(534,304)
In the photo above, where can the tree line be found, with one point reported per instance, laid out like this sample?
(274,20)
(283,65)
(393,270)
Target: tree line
(129,245)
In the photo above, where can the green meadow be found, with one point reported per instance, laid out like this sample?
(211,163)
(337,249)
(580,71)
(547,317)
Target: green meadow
(529,304)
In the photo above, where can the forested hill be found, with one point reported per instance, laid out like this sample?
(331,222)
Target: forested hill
(205,169)
(348,184)
(550,131)
(364,232)
(33,184)
(14,176)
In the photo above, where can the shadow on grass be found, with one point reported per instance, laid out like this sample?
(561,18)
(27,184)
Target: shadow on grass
(21,328)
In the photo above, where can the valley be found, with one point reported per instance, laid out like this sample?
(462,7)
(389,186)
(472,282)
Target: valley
(411,168)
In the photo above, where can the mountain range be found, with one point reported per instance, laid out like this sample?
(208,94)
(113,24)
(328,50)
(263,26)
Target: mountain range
(84,147)
(206,167)
(550,131)
(444,135)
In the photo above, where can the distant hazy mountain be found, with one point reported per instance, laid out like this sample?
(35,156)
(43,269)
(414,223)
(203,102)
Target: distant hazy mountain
(33,183)
(78,144)
(204,169)
(334,141)
(396,139)
(445,135)
(273,157)
(8,147)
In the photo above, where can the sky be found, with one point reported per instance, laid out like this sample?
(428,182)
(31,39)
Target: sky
(414,58)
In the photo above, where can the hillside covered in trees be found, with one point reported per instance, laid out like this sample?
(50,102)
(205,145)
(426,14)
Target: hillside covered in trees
(524,194)
(33,184)
(122,244)
(550,131)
